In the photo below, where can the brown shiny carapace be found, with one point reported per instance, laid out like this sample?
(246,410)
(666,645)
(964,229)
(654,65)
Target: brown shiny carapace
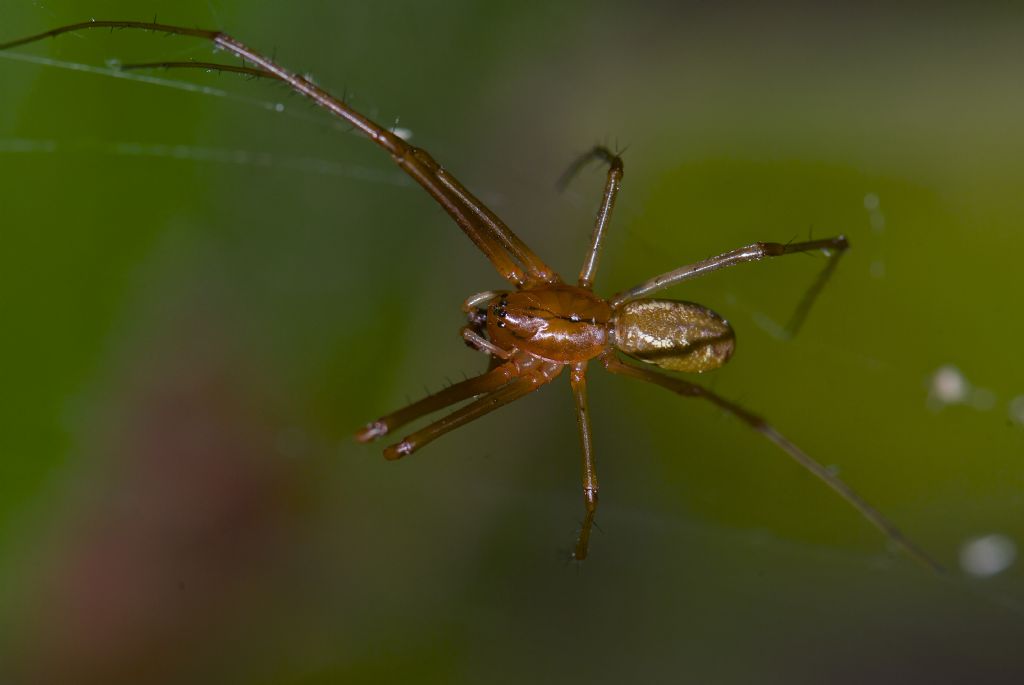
(540,326)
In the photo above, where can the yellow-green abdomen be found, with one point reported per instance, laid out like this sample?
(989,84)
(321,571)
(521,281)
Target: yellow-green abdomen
(679,336)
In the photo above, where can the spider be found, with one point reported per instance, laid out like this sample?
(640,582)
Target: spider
(542,325)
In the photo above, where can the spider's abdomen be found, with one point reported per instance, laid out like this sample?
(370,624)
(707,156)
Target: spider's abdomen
(679,336)
(561,323)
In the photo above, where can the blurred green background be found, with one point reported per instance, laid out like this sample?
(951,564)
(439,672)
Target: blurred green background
(204,298)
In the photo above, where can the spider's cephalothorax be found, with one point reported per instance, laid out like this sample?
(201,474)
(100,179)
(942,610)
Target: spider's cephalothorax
(560,323)
(533,332)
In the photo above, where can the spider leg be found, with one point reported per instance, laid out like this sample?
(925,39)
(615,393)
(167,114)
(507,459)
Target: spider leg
(751,253)
(578,382)
(539,271)
(528,379)
(491,236)
(796,321)
(604,212)
(488,382)
(473,302)
(482,344)
(687,389)
(205,66)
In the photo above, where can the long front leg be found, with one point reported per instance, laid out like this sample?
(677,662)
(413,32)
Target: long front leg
(687,389)
(498,243)
(578,381)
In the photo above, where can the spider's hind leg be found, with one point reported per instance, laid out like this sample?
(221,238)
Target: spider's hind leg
(685,388)
(834,247)
(834,251)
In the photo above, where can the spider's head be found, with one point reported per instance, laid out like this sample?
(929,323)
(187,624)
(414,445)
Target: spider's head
(678,336)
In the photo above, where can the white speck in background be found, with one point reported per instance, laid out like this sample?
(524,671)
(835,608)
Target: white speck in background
(987,555)
(1017,409)
(948,385)
(874,206)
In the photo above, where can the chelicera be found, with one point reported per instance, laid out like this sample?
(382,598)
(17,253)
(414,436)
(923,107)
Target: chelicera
(541,325)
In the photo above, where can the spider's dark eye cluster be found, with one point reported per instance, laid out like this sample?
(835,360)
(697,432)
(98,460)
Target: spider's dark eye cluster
(501,310)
